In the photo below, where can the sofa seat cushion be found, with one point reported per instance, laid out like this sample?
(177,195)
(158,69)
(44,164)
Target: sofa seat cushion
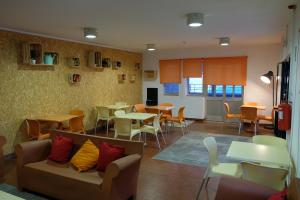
(67,171)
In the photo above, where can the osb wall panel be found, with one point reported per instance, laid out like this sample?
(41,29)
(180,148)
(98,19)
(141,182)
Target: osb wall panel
(27,93)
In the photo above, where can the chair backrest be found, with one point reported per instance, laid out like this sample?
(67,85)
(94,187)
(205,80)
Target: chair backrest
(77,112)
(248,113)
(181,113)
(33,128)
(123,126)
(140,108)
(152,110)
(119,112)
(120,103)
(102,112)
(265,175)
(227,109)
(156,121)
(212,148)
(166,104)
(251,103)
(269,140)
(76,124)
(129,109)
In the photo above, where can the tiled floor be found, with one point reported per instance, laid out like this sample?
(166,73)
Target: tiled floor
(161,180)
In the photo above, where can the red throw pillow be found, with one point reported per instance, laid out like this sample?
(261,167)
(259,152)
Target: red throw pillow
(109,153)
(279,195)
(61,149)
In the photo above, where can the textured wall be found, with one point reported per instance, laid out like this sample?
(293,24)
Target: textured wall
(26,93)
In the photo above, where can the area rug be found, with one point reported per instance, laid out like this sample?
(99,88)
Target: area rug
(14,191)
(189,149)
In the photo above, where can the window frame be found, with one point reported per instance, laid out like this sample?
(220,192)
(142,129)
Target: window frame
(171,94)
(188,93)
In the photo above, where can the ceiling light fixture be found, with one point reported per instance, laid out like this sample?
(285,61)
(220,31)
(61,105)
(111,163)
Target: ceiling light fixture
(224,41)
(194,19)
(90,33)
(151,47)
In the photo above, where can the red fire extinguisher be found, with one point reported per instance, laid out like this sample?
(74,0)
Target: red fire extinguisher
(284,116)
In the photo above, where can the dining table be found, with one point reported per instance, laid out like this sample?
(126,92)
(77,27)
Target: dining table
(259,153)
(117,107)
(55,118)
(259,107)
(160,108)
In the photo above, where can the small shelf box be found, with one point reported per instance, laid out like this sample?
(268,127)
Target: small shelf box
(95,60)
(74,62)
(32,53)
(150,74)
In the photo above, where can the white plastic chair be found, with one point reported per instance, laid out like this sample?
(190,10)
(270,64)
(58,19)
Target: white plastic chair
(103,114)
(269,140)
(217,169)
(119,113)
(273,177)
(123,127)
(120,103)
(154,129)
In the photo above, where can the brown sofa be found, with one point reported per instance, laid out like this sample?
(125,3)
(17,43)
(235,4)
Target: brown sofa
(62,181)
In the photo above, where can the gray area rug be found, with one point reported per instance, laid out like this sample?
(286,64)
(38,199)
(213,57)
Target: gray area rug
(14,191)
(189,149)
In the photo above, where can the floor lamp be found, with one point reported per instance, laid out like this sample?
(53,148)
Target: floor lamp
(268,78)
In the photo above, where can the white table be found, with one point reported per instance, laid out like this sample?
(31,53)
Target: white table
(7,196)
(259,153)
(137,116)
(117,107)
(163,108)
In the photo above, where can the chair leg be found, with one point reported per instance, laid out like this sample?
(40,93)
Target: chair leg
(255,127)
(107,122)
(157,141)
(162,134)
(182,129)
(140,137)
(200,189)
(240,126)
(96,127)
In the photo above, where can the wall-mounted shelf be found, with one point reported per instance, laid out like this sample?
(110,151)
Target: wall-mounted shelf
(132,78)
(150,74)
(95,60)
(121,78)
(106,62)
(116,64)
(73,62)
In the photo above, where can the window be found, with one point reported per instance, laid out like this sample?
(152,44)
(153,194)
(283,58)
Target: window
(229,90)
(219,90)
(210,90)
(171,88)
(195,85)
(238,91)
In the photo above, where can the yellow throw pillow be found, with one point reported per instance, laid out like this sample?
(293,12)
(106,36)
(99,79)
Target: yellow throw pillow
(86,157)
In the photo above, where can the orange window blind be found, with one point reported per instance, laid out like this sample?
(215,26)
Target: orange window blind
(192,67)
(225,71)
(170,71)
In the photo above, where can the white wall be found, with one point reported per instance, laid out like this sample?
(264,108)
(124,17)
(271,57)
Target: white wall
(261,59)
(292,50)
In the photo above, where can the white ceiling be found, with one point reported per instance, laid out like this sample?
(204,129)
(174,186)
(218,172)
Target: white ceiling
(130,24)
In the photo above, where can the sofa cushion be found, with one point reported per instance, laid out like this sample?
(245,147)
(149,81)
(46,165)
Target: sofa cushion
(61,149)
(67,171)
(86,157)
(109,153)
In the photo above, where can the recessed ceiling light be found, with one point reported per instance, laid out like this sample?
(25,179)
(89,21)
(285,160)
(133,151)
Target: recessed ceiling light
(194,19)
(224,41)
(151,47)
(90,33)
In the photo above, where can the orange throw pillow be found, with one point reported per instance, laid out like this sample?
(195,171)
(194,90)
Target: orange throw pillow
(86,157)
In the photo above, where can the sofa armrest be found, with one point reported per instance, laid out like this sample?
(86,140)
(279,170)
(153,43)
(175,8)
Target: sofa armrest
(120,178)
(233,188)
(33,151)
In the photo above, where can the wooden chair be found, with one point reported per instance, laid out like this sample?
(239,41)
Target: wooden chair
(166,113)
(269,118)
(140,108)
(76,124)
(179,120)
(228,114)
(248,114)
(34,130)
(2,143)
